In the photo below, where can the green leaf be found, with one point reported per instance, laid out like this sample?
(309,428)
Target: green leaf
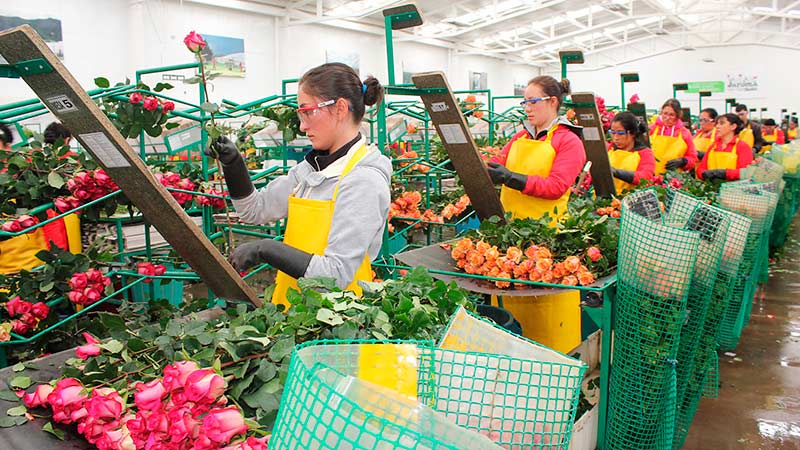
(18,367)
(282,348)
(174,329)
(153,131)
(112,346)
(263,399)
(102,82)
(7,421)
(240,386)
(325,315)
(46,286)
(20,382)
(55,180)
(266,370)
(17,411)
(8,396)
(48,427)
(192,80)
(171,125)
(209,107)
(205,338)
(161,86)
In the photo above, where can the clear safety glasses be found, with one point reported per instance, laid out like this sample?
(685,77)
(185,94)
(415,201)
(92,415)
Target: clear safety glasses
(306,112)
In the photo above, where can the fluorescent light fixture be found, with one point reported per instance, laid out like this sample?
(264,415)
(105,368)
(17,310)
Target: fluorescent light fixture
(488,11)
(765,9)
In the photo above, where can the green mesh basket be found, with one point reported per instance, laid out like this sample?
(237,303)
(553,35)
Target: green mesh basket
(752,201)
(784,212)
(655,268)
(722,239)
(412,395)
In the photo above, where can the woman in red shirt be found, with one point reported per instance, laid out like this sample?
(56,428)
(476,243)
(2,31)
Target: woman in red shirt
(631,160)
(727,154)
(539,164)
(707,133)
(671,141)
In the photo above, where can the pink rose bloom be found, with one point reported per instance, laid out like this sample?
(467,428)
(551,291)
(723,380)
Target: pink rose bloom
(17,306)
(102,178)
(82,178)
(91,295)
(634,98)
(12,226)
(21,327)
(116,439)
(27,221)
(194,42)
(252,443)
(150,104)
(90,349)
(40,310)
(168,106)
(594,254)
(105,404)
(78,281)
(135,98)
(149,395)
(95,276)
(76,297)
(182,424)
(221,424)
(38,397)
(204,386)
(61,204)
(175,374)
(675,183)
(67,400)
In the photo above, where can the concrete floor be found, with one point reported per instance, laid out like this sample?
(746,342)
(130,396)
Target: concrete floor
(759,400)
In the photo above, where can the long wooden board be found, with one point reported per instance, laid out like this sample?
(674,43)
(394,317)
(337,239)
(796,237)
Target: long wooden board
(594,142)
(62,94)
(454,132)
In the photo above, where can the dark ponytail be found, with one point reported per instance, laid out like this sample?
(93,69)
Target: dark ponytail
(336,80)
(552,87)
(633,125)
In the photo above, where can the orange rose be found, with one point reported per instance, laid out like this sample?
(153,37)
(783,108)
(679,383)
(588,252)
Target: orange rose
(616,203)
(543,253)
(461,263)
(535,275)
(482,247)
(559,271)
(465,244)
(470,269)
(547,277)
(514,254)
(475,258)
(531,251)
(503,284)
(570,280)
(492,254)
(523,268)
(572,264)
(458,253)
(544,264)
(585,278)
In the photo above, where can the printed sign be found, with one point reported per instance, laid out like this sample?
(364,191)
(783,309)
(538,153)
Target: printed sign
(61,104)
(453,134)
(105,151)
(439,107)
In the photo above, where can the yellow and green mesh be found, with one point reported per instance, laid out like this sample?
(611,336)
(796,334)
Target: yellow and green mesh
(722,239)
(655,270)
(755,202)
(414,395)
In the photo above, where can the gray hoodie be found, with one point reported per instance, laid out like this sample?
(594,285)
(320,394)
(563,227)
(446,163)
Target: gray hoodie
(359,216)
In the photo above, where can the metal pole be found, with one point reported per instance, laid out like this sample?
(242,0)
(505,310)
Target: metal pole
(622,97)
(387,22)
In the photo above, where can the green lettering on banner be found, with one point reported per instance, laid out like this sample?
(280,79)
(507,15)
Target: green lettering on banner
(710,86)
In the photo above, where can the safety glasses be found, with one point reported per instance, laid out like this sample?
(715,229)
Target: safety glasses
(703,120)
(533,101)
(306,112)
(618,133)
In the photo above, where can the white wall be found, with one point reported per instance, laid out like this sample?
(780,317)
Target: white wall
(774,67)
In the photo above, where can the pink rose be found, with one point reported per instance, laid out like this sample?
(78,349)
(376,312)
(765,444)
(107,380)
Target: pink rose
(90,349)
(17,306)
(101,177)
(183,425)
(149,395)
(634,98)
(135,98)
(252,443)
(40,310)
(116,439)
(91,295)
(81,194)
(168,106)
(175,374)
(76,297)
(27,221)
(221,424)
(194,42)
(20,327)
(150,104)
(204,386)
(675,183)
(67,401)
(95,276)
(61,204)
(38,397)
(12,226)
(105,404)
(594,254)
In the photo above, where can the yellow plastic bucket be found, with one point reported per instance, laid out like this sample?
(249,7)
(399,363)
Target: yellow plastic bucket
(551,320)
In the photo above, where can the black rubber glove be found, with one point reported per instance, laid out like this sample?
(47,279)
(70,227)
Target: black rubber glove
(501,175)
(676,163)
(285,258)
(700,155)
(715,174)
(624,175)
(233,166)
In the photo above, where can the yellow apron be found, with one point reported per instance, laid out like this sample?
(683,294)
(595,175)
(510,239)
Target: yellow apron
(666,148)
(532,157)
(703,143)
(624,160)
(722,160)
(746,135)
(791,134)
(552,320)
(768,137)
(307,226)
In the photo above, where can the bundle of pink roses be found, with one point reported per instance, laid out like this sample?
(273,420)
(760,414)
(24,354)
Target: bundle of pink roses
(20,223)
(29,315)
(184,409)
(85,187)
(173,180)
(151,103)
(214,202)
(87,287)
(148,268)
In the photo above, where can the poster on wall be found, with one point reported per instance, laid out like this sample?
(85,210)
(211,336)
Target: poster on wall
(519,88)
(224,55)
(47,27)
(407,77)
(478,80)
(345,57)
(741,82)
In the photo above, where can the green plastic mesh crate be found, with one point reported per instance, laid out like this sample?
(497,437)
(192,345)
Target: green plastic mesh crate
(752,201)
(784,211)
(722,239)
(656,263)
(412,395)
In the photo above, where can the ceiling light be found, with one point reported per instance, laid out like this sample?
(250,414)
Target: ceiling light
(766,9)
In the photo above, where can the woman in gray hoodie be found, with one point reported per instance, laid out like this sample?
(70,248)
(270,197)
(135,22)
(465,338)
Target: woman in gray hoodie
(336,200)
